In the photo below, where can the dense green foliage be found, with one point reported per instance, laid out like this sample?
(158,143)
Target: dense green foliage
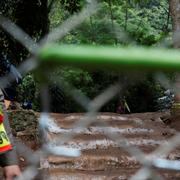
(31,16)
(117,23)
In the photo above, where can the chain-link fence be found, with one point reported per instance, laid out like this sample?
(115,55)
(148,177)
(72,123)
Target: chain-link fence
(46,56)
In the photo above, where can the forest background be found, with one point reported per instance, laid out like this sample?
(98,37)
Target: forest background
(117,23)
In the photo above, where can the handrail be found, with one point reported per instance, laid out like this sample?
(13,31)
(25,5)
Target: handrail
(87,56)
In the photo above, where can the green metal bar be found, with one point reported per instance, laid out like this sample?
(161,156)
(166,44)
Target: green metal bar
(101,57)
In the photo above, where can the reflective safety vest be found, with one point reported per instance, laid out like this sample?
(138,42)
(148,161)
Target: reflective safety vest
(5,144)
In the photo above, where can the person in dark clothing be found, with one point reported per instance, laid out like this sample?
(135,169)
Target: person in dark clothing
(8,156)
(5,68)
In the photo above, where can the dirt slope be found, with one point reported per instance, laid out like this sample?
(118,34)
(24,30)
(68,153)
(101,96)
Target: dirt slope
(101,157)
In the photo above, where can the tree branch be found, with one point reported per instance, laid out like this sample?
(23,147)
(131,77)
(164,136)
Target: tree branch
(50,5)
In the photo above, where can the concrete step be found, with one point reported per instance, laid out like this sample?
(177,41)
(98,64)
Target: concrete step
(103,158)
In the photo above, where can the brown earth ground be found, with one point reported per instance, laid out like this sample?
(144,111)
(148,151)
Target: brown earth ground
(101,158)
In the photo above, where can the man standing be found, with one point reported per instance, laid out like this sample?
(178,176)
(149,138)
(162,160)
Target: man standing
(8,157)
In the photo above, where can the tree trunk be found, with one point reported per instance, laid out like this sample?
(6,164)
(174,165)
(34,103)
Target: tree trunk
(175,14)
(31,16)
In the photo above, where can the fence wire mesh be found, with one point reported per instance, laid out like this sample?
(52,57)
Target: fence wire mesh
(61,145)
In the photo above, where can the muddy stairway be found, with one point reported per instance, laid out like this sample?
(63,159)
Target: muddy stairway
(102,158)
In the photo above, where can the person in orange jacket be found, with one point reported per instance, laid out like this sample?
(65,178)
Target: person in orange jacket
(8,156)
